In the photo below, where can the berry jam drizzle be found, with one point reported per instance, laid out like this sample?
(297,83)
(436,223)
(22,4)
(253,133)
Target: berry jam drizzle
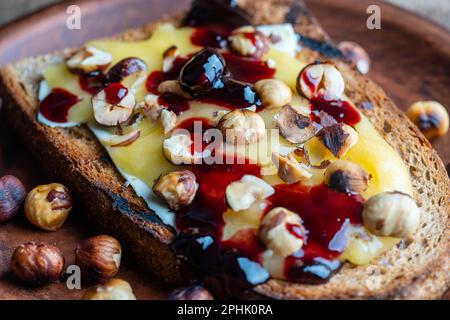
(214,36)
(341,111)
(115,93)
(92,82)
(326,215)
(55,107)
(173,102)
(248,69)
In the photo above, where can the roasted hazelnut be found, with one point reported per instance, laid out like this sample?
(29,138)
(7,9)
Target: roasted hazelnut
(282,231)
(347,177)
(113,105)
(98,258)
(126,68)
(168,120)
(89,60)
(392,214)
(289,169)
(242,126)
(191,293)
(338,138)
(323,78)
(150,107)
(294,127)
(242,194)
(12,194)
(355,54)
(169,57)
(113,289)
(177,149)
(274,93)
(249,42)
(37,264)
(47,206)
(173,86)
(177,188)
(430,117)
(203,72)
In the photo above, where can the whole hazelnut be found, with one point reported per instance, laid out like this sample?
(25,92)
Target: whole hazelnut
(430,117)
(113,289)
(274,93)
(355,54)
(347,177)
(177,188)
(242,126)
(47,206)
(320,78)
(98,258)
(37,264)
(195,292)
(12,194)
(392,214)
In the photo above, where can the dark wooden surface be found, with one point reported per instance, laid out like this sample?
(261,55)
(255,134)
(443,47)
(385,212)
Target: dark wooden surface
(411,60)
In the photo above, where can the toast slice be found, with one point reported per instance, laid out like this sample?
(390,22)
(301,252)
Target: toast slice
(74,157)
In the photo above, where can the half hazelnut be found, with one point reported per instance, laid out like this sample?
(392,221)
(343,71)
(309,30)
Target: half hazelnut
(177,188)
(294,127)
(338,138)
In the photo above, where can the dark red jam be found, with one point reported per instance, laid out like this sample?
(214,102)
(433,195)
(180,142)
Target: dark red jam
(341,111)
(174,102)
(311,82)
(92,82)
(157,77)
(55,107)
(327,216)
(214,36)
(248,69)
(115,93)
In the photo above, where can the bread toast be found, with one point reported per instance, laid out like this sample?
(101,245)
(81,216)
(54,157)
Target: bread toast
(74,157)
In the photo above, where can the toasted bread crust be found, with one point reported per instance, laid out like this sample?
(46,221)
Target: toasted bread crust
(74,157)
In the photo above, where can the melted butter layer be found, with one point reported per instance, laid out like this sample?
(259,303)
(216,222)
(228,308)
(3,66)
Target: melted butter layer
(143,160)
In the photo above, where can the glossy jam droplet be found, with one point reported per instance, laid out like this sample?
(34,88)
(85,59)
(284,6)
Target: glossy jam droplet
(55,107)
(92,82)
(174,102)
(115,93)
(341,111)
(212,36)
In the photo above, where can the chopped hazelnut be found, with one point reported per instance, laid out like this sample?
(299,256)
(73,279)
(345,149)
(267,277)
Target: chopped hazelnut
(173,86)
(430,117)
(289,169)
(249,42)
(321,78)
(169,57)
(338,138)
(242,126)
(151,108)
(178,188)
(347,177)
(111,113)
(274,93)
(392,214)
(282,231)
(89,60)
(294,127)
(177,149)
(243,193)
(168,120)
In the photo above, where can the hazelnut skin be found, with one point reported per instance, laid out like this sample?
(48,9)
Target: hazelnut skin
(12,194)
(98,258)
(347,177)
(37,264)
(47,206)
(392,214)
(430,117)
(113,289)
(191,293)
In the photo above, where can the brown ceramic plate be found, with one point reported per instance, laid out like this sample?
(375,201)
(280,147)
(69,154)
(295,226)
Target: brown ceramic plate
(410,55)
